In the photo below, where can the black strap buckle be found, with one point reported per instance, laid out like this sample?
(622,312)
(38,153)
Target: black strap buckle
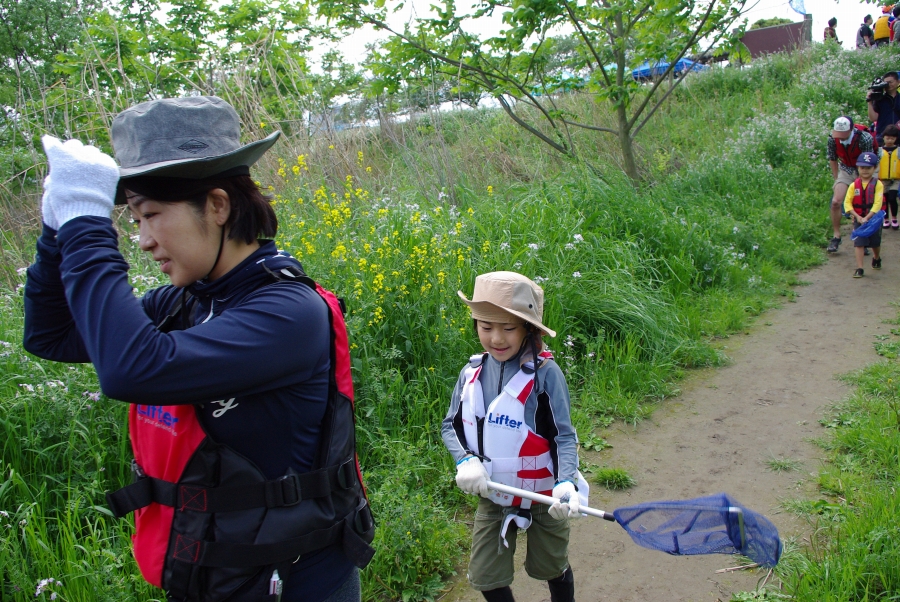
(363,521)
(346,474)
(284,491)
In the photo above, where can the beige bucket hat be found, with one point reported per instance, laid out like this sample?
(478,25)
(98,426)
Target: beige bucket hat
(499,294)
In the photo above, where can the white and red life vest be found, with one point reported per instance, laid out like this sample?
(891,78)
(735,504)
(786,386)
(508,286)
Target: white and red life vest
(518,456)
(513,453)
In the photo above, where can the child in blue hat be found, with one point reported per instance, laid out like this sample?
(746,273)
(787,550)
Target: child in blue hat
(863,200)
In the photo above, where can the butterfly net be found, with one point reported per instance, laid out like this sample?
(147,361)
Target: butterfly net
(716,524)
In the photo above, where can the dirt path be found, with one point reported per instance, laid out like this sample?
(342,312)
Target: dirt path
(720,432)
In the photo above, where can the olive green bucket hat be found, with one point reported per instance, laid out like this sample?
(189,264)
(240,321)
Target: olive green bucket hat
(192,138)
(499,294)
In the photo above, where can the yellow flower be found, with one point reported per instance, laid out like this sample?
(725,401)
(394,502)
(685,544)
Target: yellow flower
(470,211)
(369,169)
(490,190)
(262,124)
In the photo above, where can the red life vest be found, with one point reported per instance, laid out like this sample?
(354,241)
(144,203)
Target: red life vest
(208,524)
(850,153)
(863,200)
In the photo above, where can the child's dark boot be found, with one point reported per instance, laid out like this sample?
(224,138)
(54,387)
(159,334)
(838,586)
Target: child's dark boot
(501,594)
(562,589)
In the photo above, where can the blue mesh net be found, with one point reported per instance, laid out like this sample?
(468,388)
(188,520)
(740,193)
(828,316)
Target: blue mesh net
(870,227)
(716,524)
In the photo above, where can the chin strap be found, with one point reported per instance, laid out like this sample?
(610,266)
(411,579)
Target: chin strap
(218,255)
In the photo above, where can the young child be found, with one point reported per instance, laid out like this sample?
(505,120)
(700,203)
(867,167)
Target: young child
(862,201)
(889,173)
(511,424)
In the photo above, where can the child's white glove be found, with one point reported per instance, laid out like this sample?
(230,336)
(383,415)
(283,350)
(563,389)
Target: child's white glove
(82,181)
(471,477)
(568,504)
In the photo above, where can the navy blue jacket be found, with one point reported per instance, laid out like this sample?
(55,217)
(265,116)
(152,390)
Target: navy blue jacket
(256,360)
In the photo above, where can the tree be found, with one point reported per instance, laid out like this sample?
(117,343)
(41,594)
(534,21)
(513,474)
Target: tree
(522,65)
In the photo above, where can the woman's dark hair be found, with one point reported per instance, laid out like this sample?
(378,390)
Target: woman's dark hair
(891,130)
(251,217)
(832,22)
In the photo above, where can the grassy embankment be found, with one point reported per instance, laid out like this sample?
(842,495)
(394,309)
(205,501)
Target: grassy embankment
(639,283)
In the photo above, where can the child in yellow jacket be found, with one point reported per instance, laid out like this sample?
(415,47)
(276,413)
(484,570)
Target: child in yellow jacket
(863,200)
(889,173)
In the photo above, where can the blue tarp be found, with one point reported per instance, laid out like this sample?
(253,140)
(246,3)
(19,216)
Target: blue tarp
(645,71)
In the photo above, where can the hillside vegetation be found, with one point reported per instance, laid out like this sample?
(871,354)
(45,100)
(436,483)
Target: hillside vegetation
(640,282)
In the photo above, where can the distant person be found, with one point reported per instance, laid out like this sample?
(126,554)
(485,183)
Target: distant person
(529,444)
(882,29)
(894,29)
(884,107)
(865,35)
(830,31)
(845,144)
(889,174)
(862,201)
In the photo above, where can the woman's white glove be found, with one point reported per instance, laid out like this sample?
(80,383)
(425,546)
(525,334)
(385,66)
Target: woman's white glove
(568,505)
(471,477)
(82,181)
(47,215)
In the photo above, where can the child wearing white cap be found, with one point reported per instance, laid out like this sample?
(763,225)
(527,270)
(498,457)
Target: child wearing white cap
(846,142)
(509,421)
(862,202)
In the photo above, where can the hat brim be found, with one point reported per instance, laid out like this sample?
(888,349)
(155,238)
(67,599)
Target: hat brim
(200,167)
(487,308)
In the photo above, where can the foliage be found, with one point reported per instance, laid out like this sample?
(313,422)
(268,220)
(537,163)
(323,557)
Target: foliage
(613,478)
(770,22)
(524,66)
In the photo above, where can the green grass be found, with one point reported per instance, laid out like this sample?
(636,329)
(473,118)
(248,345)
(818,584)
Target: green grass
(783,464)
(854,551)
(613,478)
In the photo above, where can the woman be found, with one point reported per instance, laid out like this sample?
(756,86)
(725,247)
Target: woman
(241,420)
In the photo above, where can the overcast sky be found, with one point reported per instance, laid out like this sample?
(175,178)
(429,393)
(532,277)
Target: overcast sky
(849,14)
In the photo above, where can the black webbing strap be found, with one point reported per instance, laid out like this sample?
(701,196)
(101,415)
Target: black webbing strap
(224,554)
(288,490)
(140,494)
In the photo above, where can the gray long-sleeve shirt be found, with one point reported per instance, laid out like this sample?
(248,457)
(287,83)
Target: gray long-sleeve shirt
(547,412)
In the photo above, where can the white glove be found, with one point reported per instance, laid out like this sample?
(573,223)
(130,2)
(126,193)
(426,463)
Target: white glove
(47,214)
(82,181)
(471,477)
(567,506)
